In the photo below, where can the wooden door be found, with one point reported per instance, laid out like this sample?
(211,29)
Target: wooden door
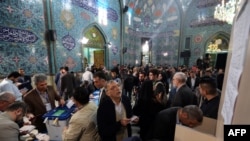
(99,58)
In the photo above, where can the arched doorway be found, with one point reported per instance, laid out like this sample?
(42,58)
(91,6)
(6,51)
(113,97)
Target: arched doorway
(217,49)
(93,47)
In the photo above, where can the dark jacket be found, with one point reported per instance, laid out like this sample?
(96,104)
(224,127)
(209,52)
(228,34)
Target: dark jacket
(184,96)
(164,125)
(106,118)
(37,108)
(26,83)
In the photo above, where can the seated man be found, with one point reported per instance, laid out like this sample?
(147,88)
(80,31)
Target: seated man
(9,129)
(6,98)
(164,124)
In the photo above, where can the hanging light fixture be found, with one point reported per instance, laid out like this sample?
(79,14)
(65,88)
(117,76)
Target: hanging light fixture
(226,11)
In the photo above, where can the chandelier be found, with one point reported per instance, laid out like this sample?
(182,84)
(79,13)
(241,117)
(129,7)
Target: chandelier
(226,11)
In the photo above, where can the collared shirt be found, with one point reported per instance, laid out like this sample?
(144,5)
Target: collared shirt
(8,85)
(192,82)
(45,99)
(100,95)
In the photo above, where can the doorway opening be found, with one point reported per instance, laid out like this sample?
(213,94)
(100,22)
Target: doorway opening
(93,48)
(217,49)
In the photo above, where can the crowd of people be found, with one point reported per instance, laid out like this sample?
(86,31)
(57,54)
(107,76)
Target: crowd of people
(154,98)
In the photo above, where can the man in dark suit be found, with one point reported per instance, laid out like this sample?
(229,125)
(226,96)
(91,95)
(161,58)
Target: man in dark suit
(166,120)
(113,114)
(24,81)
(100,80)
(184,95)
(40,100)
(192,81)
(68,84)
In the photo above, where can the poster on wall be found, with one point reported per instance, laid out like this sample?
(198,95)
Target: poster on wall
(239,42)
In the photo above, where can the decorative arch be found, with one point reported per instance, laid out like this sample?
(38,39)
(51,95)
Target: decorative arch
(216,49)
(95,35)
(94,49)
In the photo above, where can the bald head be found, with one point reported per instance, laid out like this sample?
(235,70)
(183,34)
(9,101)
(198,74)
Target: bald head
(6,98)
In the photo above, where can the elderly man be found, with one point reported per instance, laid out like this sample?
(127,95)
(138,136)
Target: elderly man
(41,99)
(9,129)
(6,98)
(113,114)
(184,95)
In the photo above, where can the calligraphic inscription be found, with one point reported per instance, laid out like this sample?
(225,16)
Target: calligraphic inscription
(209,21)
(133,32)
(14,35)
(68,42)
(93,8)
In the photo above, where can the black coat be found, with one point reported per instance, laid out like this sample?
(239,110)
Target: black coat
(106,118)
(184,96)
(164,125)
(25,83)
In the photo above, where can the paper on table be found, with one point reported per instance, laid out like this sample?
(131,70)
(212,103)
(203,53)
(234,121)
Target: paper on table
(27,128)
(70,103)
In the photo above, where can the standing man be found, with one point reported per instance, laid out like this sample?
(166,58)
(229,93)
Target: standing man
(6,98)
(24,81)
(208,90)
(192,81)
(9,129)
(58,79)
(100,80)
(41,99)
(68,84)
(8,84)
(184,95)
(87,75)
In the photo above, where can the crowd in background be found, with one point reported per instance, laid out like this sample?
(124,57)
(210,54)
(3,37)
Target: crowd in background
(153,98)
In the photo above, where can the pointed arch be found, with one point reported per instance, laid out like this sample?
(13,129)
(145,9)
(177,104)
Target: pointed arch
(94,50)
(95,35)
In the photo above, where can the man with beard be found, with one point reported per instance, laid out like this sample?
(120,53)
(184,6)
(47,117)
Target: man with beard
(9,129)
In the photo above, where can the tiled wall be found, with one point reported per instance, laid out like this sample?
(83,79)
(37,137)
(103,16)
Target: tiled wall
(168,24)
(24,24)
(200,25)
(22,30)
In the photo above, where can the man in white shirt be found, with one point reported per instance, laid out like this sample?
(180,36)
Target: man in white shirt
(8,84)
(87,75)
